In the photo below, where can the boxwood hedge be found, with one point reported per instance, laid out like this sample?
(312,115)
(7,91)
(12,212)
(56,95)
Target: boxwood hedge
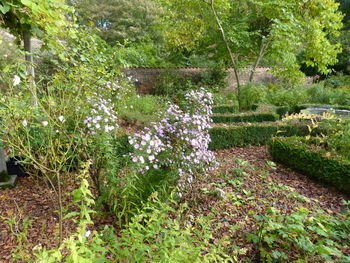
(256,134)
(301,155)
(225,109)
(252,117)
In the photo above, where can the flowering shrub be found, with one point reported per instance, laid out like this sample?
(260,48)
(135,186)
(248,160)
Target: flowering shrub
(179,141)
(103,115)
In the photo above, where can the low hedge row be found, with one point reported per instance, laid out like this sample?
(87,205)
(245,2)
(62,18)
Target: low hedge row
(225,109)
(298,154)
(252,117)
(257,134)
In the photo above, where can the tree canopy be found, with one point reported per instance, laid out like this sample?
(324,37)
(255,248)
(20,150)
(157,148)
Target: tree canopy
(277,30)
(119,20)
(44,19)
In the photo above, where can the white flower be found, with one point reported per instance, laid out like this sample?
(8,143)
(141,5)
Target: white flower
(88,233)
(61,118)
(25,123)
(16,80)
(44,123)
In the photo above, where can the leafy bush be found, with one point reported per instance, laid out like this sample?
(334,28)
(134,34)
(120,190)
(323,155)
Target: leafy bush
(141,109)
(11,62)
(254,117)
(229,98)
(68,121)
(225,109)
(320,94)
(337,81)
(171,84)
(169,153)
(287,97)
(251,94)
(179,142)
(339,140)
(257,134)
(157,233)
(302,236)
(214,78)
(302,155)
(282,110)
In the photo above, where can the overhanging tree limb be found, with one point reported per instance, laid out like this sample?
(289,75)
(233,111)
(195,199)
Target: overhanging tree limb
(224,38)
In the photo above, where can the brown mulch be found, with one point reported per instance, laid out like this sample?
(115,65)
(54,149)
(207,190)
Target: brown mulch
(262,187)
(327,196)
(34,200)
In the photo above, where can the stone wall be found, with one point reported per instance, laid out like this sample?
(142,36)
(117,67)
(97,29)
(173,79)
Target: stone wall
(146,77)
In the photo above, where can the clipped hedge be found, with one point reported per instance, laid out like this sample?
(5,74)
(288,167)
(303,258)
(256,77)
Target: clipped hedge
(253,117)
(257,134)
(299,154)
(225,109)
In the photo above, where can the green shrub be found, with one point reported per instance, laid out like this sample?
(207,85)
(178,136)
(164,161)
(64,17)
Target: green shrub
(254,117)
(251,94)
(298,154)
(257,134)
(214,78)
(157,233)
(287,97)
(229,98)
(337,81)
(282,110)
(320,94)
(170,83)
(141,109)
(225,109)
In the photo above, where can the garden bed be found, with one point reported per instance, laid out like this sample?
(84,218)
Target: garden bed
(250,181)
(252,184)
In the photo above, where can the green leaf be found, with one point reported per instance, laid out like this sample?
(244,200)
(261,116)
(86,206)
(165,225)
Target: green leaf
(4,8)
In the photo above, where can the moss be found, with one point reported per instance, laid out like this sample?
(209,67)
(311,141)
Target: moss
(4,177)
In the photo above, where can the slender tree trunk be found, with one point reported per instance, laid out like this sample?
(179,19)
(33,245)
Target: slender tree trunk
(263,48)
(60,209)
(233,60)
(30,67)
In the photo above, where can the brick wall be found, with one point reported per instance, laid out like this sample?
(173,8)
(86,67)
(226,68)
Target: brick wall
(146,77)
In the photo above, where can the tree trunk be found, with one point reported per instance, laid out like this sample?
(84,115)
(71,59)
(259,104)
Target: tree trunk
(263,48)
(233,61)
(30,66)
